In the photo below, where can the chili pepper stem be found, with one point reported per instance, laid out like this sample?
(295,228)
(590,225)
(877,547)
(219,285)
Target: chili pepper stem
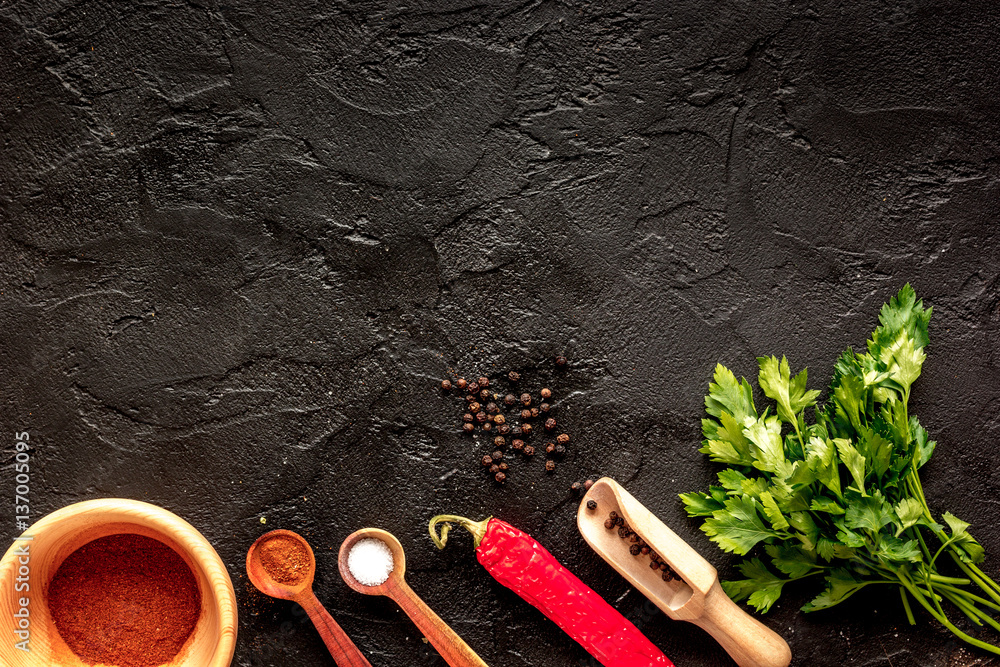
(477,528)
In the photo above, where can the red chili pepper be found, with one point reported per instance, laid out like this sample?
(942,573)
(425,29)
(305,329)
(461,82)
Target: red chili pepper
(523,565)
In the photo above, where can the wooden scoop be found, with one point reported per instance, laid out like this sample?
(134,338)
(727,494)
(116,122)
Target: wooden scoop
(451,647)
(697,597)
(343,650)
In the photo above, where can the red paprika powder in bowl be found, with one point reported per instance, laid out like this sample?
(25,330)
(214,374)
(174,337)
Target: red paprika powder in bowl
(115,582)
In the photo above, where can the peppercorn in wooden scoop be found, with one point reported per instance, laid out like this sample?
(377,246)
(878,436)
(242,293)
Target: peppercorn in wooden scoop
(281,564)
(672,575)
(451,647)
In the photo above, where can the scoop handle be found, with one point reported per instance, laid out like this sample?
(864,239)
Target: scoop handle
(748,641)
(343,650)
(452,648)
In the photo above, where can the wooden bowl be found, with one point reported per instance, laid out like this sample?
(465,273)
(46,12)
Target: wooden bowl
(59,534)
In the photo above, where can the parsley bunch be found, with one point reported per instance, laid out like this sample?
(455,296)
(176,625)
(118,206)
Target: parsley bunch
(839,496)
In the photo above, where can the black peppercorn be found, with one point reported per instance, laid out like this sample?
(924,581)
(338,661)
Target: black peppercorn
(484,394)
(591,505)
(468,418)
(587,484)
(544,407)
(473,387)
(468,428)
(560,361)
(470,399)
(526,429)
(516,443)
(461,383)
(487,426)
(550,447)
(500,419)
(510,399)
(526,399)
(446,385)
(484,381)
(499,441)
(529,450)
(653,565)
(623,532)
(497,455)
(516,430)
(494,468)
(645,550)
(487,460)
(562,438)
(533,412)
(525,414)
(668,576)
(546,393)
(559,450)
(474,407)
(634,539)
(492,408)
(613,515)
(609,524)
(634,549)
(502,428)
(500,477)
(550,424)
(550,466)
(513,376)
(481,417)
(576,487)
(503,465)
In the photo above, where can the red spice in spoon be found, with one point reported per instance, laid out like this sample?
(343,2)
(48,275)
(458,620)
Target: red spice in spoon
(125,600)
(285,559)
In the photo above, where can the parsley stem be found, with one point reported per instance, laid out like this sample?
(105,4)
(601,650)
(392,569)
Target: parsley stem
(971,596)
(943,619)
(982,575)
(972,575)
(906,605)
(965,608)
(938,579)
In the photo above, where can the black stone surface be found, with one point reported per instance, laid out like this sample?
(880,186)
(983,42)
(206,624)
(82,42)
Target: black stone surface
(243,242)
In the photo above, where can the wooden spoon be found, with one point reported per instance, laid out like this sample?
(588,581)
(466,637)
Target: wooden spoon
(697,597)
(451,647)
(343,650)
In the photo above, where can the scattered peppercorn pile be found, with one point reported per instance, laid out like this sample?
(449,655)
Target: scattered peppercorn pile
(513,417)
(638,545)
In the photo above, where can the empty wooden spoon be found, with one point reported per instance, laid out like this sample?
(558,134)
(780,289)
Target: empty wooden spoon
(451,647)
(291,579)
(696,597)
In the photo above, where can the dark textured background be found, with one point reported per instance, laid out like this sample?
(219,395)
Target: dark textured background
(242,243)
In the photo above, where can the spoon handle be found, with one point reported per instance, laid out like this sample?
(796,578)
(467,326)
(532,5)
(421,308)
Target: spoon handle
(343,650)
(452,648)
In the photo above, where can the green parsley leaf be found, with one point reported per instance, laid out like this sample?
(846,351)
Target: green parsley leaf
(854,461)
(909,511)
(789,393)
(869,513)
(772,511)
(841,584)
(700,504)
(765,434)
(737,527)
(761,585)
(728,395)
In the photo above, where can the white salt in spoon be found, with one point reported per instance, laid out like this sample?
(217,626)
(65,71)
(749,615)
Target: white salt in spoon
(451,647)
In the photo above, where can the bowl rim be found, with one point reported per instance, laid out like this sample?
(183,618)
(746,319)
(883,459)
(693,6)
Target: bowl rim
(195,545)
